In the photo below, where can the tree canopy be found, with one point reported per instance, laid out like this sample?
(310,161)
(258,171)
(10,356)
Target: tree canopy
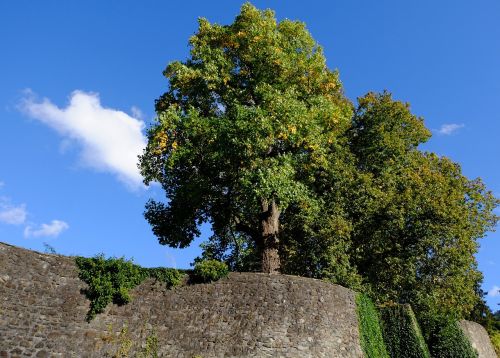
(247,123)
(417,224)
(255,136)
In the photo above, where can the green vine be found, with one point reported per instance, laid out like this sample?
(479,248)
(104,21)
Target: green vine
(110,280)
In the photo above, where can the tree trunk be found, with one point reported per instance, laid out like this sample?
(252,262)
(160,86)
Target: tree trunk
(269,241)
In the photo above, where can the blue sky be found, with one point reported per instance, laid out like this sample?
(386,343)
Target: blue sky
(78,81)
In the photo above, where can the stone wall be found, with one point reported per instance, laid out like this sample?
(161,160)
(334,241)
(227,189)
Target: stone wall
(42,314)
(479,339)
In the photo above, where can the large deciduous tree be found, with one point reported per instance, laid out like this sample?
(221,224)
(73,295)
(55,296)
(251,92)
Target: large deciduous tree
(417,224)
(250,121)
(255,136)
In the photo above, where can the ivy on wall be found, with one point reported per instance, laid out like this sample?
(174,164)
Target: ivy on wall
(110,280)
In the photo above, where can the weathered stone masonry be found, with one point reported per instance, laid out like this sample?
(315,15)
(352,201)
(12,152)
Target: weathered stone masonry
(42,314)
(479,339)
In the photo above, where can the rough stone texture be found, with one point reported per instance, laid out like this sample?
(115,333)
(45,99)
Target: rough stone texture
(42,314)
(479,338)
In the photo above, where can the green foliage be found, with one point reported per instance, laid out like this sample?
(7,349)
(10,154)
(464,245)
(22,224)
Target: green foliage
(495,340)
(402,334)
(416,218)
(210,270)
(384,131)
(447,340)
(370,330)
(110,280)
(171,277)
(238,253)
(252,117)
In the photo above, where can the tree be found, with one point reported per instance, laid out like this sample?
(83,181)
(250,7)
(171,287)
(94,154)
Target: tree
(255,136)
(249,123)
(416,225)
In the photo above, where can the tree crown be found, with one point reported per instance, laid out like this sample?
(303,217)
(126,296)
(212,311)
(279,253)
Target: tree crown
(247,119)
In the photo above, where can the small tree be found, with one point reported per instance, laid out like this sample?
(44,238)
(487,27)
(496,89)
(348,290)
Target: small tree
(247,125)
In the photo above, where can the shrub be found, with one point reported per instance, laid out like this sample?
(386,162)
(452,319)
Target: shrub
(369,328)
(110,280)
(210,270)
(402,334)
(447,340)
(495,340)
(171,277)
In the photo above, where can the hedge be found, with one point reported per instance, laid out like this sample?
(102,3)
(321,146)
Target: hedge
(402,334)
(447,340)
(495,340)
(370,332)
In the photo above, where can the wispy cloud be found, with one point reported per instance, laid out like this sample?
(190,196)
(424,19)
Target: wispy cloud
(11,214)
(494,292)
(17,214)
(136,113)
(111,140)
(448,129)
(46,230)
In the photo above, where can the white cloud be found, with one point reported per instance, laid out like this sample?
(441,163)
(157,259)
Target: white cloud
(111,140)
(494,292)
(447,129)
(2,184)
(13,215)
(17,214)
(46,230)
